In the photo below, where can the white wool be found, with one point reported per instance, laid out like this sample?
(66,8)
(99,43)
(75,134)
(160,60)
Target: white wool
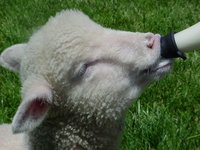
(8,141)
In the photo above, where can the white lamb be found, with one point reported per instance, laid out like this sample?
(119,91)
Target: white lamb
(78,80)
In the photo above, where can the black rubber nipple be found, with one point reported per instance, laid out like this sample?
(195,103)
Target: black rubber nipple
(169,48)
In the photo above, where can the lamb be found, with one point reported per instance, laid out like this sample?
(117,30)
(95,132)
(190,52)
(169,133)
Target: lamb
(78,80)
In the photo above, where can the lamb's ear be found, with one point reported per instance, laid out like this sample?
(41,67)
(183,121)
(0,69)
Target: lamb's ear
(37,99)
(11,57)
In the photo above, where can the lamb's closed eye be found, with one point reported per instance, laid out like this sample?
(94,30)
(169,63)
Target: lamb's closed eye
(82,70)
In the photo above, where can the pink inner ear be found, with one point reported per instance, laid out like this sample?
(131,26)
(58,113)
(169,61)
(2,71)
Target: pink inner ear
(36,109)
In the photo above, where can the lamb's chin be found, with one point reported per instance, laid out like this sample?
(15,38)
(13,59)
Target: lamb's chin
(154,72)
(160,68)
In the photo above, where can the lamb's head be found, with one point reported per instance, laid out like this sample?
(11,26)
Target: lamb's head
(74,64)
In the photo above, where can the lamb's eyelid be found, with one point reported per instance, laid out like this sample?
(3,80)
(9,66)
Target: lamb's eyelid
(84,66)
(82,70)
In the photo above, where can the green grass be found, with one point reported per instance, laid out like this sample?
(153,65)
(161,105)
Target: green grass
(167,115)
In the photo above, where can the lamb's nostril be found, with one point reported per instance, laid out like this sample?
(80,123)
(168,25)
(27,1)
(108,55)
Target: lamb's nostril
(151,40)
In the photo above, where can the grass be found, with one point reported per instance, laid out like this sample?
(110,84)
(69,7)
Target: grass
(167,115)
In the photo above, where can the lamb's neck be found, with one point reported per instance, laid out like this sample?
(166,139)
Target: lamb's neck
(75,132)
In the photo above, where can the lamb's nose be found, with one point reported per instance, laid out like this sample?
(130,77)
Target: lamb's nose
(153,40)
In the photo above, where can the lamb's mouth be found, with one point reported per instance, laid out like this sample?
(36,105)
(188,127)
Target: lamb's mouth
(159,68)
